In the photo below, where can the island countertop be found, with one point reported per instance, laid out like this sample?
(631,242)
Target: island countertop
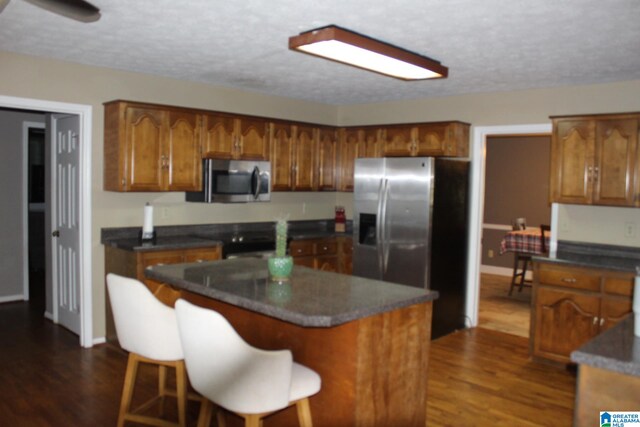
(311,298)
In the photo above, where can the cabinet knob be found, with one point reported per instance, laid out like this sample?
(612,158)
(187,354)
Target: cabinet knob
(569,280)
(595,320)
(601,321)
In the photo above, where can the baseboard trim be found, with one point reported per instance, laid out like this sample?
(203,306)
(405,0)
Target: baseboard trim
(12,298)
(501,271)
(48,315)
(99,340)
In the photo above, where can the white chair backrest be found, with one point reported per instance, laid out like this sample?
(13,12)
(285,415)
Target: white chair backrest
(144,325)
(224,368)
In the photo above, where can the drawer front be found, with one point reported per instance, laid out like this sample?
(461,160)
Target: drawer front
(326,247)
(619,285)
(574,278)
(301,248)
(203,254)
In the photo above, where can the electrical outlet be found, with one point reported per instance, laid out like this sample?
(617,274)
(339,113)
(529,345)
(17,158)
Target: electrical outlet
(629,230)
(304,208)
(490,253)
(164,213)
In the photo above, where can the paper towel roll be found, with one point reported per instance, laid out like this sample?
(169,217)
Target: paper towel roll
(147,225)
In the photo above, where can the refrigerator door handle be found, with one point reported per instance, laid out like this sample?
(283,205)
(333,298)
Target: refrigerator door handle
(385,234)
(379,228)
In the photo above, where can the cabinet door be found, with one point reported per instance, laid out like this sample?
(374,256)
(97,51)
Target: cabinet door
(254,139)
(327,263)
(281,158)
(431,140)
(613,310)
(572,149)
(219,140)
(615,162)
(304,152)
(145,132)
(564,321)
(371,143)
(349,149)
(327,159)
(398,141)
(183,169)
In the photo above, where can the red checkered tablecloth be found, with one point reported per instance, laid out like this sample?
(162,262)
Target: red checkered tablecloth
(524,241)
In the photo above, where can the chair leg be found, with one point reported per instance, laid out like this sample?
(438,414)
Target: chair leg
(127,390)
(181,392)
(251,420)
(515,273)
(524,273)
(304,413)
(162,388)
(220,418)
(206,410)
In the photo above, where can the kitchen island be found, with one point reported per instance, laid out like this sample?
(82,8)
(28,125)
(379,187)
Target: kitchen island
(368,340)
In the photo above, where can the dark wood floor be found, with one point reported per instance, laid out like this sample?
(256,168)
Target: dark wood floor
(477,377)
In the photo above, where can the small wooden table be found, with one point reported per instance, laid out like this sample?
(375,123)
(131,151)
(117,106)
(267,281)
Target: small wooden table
(527,241)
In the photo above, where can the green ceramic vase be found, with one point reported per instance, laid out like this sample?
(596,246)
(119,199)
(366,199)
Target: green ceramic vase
(280,268)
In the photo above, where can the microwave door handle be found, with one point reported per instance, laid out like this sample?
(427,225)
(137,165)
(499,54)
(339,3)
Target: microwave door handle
(255,182)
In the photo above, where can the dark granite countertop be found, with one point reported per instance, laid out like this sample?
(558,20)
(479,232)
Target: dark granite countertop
(311,298)
(591,255)
(163,243)
(616,349)
(203,235)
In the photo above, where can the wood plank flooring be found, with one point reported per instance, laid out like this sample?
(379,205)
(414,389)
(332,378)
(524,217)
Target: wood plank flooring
(499,311)
(476,377)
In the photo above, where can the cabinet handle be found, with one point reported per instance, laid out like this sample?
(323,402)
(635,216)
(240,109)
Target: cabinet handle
(589,174)
(596,173)
(595,320)
(569,280)
(324,248)
(601,321)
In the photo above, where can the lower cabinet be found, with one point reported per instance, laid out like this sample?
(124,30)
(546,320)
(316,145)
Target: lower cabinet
(327,254)
(133,263)
(571,305)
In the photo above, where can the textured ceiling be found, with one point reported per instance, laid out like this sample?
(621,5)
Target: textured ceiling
(488,45)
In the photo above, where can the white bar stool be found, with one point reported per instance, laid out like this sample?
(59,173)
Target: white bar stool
(148,330)
(230,373)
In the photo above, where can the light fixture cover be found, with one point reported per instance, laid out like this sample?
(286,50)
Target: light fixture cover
(348,47)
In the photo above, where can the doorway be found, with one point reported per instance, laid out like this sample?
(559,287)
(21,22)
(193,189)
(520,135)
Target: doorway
(478,149)
(84,114)
(516,186)
(35,170)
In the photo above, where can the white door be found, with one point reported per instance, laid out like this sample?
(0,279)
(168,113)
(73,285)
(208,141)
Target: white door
(65,139)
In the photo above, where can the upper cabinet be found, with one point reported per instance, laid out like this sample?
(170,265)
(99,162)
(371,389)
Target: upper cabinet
(327,159)
(595,160)
(149,148)
(230,137)
(426,139)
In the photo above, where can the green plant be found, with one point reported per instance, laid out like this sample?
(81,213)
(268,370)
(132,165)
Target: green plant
(281,238)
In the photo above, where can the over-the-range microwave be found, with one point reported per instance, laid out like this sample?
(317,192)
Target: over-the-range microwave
(233,181)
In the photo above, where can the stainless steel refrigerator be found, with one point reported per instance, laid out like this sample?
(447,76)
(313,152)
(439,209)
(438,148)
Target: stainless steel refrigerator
(410,227)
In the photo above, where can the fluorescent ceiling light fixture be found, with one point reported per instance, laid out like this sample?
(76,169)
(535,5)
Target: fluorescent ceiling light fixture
(341,45)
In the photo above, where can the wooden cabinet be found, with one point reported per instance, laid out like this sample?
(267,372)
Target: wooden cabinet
(349,149)
(151,148)
(327,254)
(595,160)
(304,168)
(427,139)
(133,263)
(327,159)
(282,157)
(231,137)
(571,305)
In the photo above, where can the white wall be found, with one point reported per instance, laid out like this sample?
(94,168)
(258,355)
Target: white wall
(12,220)
(599,224)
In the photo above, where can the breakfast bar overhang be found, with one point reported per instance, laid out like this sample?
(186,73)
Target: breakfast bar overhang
(368,340)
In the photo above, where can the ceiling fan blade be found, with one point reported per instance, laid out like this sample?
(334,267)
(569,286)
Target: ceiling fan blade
(79,10)
(3,4)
